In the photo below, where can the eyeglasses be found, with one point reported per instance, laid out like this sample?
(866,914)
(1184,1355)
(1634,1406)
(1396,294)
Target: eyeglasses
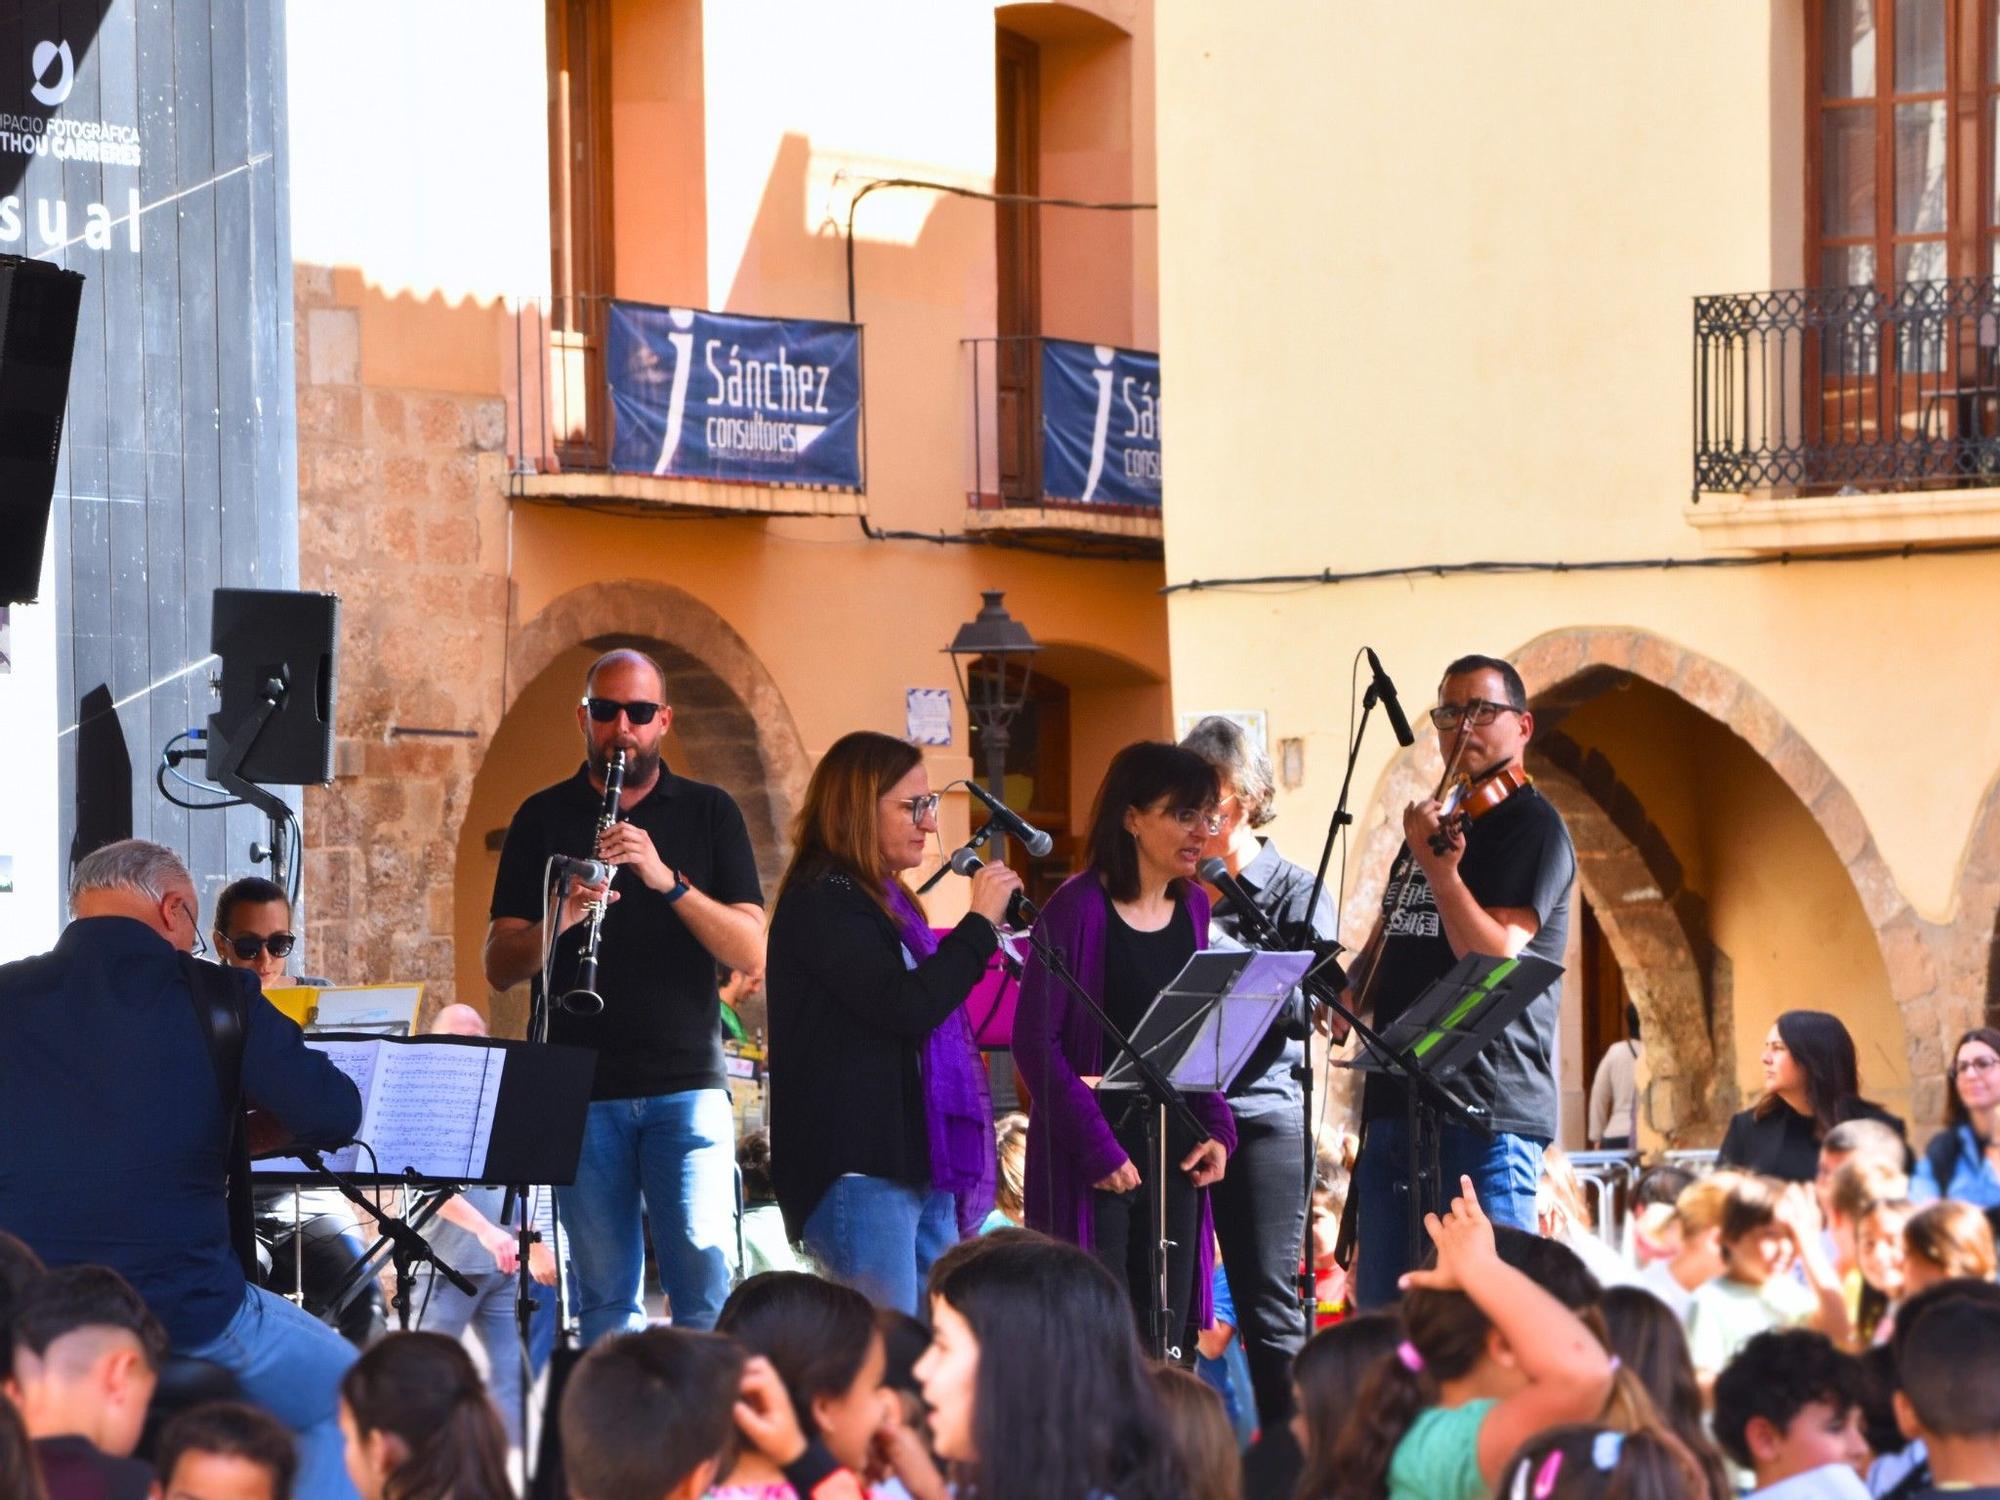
(1975,1065)
(248,945)
(1477,712)
(1191,818)
(919,808)
(607,710)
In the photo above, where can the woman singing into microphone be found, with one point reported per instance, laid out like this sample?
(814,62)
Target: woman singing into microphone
(1125,925)
(881,1125)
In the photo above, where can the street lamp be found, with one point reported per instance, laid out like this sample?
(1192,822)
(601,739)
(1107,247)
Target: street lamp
(990,702)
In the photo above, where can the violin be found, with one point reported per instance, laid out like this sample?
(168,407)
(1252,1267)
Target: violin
(1464,798)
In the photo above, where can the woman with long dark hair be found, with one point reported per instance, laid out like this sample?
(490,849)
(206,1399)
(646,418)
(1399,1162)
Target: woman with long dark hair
(881,1125)
(1035,1380)
(1811,1084)
(1326,1378)
(1125,924)
(419,1424)
(1963,1160)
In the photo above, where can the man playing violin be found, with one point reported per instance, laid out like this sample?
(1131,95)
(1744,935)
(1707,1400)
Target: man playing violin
(1498,885)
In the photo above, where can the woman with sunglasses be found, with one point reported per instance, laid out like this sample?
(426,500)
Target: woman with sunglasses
(253,930)
(1963,1160)
(881,1125)
(1126,925)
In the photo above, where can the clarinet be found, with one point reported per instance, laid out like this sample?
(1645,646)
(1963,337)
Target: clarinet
(584,999)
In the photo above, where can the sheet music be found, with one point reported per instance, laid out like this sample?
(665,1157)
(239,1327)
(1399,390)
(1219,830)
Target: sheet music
(424,1105)
(432,1108)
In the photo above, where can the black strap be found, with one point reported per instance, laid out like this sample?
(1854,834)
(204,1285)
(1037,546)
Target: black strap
(1943,1153)
(219,1009)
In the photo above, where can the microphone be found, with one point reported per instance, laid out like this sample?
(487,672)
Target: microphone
(1215,870)
(1021,912)
(1385,694)
(587,871)
(1032,838)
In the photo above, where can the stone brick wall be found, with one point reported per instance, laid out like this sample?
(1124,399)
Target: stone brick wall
(402,513)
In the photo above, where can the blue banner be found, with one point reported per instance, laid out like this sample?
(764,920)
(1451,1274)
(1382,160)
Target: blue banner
(1100,424)
(713,396)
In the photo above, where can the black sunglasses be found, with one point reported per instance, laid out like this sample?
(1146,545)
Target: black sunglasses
(249,945)
(607,710)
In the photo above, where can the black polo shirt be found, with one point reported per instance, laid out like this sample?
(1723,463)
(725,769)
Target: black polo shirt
(660,1031)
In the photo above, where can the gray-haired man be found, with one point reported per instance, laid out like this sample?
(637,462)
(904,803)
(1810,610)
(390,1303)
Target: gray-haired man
(114,1135)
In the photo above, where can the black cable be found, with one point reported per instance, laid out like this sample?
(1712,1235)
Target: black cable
(1327,576)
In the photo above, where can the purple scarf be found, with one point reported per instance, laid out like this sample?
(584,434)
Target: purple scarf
(957,1106)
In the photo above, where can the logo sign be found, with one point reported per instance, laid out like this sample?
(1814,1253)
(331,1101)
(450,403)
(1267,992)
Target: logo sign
(715,396)
(47,55)
(1100,424)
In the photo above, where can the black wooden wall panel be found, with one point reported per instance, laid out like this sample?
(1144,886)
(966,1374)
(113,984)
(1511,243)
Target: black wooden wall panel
(179,470)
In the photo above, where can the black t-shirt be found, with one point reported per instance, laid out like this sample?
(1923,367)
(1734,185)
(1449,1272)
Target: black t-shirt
(1784,1143)
(1517,855)
(660,1031)
(1138,965)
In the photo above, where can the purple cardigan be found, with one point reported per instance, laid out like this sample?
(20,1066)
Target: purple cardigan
(1056,1042)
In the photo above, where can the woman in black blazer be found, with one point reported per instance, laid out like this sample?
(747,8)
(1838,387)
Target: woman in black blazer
(1810,1086)
(881,1126)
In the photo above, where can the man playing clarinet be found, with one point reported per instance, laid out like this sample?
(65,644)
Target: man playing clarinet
(685,894)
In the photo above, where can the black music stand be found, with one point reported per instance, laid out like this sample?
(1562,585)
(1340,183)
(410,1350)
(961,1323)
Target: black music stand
(1431,1041)
(1196,1035)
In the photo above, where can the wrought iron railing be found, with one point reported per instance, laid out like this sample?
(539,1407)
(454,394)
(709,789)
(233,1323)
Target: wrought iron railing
(1007,454)
(1831,388)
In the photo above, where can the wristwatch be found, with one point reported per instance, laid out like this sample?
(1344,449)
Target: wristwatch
(679,888)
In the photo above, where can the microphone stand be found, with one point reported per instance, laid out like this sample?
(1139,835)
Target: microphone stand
(1426,1100)
(1166,1100)
(407,1247)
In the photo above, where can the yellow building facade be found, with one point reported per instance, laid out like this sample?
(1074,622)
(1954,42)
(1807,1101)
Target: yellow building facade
(1429,282)
(454,225)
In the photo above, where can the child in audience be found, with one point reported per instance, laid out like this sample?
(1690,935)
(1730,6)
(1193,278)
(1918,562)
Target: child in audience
(1490,1360)
(1900,1467)
(87,1355)
(1598,1463)
(1767,1228)
(1203,1432)
(1788,1408)
(1943,1241)
(1655,1234)
(651,1415)
(766,1246)
(225,1450)
(1949,1393)
(1327,1376)
(1878,1251)
(903,1444)
(1851,1195)
(821,1339)
(1010,1139)
(1651,1345)
(1035,1380)
(419,1424)
(1696,1258)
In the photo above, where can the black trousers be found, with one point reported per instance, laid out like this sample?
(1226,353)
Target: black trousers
(1126,1229)
(1260,1218)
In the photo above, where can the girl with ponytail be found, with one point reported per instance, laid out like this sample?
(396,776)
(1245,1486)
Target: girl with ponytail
(1489,1360)
(419,1425)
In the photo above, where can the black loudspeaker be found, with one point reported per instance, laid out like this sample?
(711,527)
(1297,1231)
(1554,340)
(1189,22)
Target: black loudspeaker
(279,649)
(38,304)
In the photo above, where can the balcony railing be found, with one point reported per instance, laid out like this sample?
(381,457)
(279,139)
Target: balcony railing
(1848,388)
(562,438)
(1009,460)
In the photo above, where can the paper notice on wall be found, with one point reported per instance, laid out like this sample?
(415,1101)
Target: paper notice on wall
(927,716)
(1254,722)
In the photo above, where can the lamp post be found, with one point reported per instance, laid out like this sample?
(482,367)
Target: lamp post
(989,702)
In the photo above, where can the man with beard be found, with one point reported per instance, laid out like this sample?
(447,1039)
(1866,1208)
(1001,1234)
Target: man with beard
(685,895)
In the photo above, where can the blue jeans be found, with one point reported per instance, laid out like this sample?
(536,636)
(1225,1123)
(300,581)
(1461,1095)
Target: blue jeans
(880,1237)
(290,1363)
(674,1156)
(1504,1171)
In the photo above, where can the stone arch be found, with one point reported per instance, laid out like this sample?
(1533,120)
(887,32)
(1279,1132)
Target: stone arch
(1932,968)
(729,711)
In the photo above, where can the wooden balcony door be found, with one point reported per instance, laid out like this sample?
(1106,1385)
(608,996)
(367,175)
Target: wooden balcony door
(1018,258)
